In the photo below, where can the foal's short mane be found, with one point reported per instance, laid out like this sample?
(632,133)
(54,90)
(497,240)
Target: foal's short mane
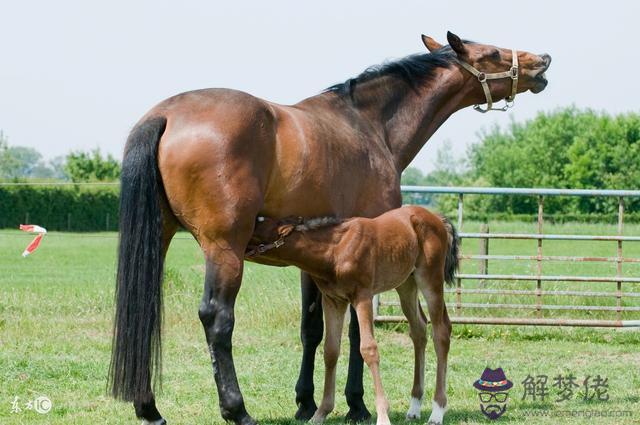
(318,223)
(413,70)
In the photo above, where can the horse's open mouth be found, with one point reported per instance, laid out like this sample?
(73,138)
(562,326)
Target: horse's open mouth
(540,83)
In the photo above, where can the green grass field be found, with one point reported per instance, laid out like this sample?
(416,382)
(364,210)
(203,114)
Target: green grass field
(55,327)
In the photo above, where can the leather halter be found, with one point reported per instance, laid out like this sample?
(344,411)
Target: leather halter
(262,248)
(483,77)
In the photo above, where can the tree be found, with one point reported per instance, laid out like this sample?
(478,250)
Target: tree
(91,166)
(17,161)
(567,148)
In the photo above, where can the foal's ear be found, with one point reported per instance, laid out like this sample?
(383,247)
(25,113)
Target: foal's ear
(285,229)
(456,44)
(430,43)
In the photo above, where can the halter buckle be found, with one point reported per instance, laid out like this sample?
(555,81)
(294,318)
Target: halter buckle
(514,72)
(482,77)
(278,243)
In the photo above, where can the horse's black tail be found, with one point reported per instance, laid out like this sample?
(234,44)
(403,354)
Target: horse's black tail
(451,262)
(136,350)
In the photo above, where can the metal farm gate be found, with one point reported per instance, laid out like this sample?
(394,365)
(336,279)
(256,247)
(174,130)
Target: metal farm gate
(602,298)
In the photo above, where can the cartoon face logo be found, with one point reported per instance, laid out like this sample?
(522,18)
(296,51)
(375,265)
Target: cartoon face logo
(493,391)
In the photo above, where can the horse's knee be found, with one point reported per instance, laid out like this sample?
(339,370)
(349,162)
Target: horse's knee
(369,352)
(207,312)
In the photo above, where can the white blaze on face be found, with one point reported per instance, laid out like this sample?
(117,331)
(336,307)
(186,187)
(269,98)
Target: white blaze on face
(437,414)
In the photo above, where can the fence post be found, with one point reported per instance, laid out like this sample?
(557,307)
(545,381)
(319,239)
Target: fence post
(484,250)
(619,262)
(539,261)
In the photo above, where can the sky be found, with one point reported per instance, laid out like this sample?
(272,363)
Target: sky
(75,75)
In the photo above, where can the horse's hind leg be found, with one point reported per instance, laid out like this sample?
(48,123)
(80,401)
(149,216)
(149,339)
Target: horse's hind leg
(410,303)
(334,311)
(146,409)
(223,275)
(430,280)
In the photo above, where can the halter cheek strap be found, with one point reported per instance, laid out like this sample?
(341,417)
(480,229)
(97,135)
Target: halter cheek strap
(483,77)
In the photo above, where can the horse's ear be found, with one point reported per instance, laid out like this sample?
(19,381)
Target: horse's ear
(456,44)
(430,43)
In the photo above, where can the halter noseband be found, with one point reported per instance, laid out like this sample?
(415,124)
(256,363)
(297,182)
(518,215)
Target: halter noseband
(483,77)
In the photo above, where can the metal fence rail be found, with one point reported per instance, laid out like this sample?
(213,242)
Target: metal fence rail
(458,306)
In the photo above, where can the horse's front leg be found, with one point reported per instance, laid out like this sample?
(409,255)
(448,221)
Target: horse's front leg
(334,311)
(369,351)
(354,391)
(222,281)
(311,328)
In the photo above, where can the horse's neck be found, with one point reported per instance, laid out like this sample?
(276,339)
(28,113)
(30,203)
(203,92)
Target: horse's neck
(406,118)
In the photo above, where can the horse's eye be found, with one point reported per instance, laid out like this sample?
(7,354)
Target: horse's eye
(495,55)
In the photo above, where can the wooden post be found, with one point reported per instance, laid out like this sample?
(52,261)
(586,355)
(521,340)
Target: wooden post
(484,250)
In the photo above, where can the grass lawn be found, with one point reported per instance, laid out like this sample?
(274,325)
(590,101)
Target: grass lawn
(55,327)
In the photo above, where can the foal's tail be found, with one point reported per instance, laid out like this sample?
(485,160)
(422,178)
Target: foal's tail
(136,351)
(451,262)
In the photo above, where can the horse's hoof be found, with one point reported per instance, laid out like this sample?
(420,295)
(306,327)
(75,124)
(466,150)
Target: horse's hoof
(248,420)
(160,421)
(358,414)
(411,416)
(306,411)
(434,423)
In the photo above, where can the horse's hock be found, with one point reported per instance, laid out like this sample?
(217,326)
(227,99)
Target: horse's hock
(539,287)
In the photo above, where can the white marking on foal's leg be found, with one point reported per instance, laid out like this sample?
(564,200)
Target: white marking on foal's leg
(158,422)
(318,417)
(414,408)
(437,414)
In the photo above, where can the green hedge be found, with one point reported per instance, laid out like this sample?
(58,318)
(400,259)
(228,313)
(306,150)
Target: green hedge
(66,208)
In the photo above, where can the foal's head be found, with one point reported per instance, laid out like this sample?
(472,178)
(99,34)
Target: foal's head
(269,229)
(490,59)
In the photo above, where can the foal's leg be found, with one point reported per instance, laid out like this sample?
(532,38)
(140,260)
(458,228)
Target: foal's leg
(431,283)
(311,336)
(410,303)
(369,351)
(334,311)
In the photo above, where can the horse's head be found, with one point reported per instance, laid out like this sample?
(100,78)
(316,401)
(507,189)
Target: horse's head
(495,69)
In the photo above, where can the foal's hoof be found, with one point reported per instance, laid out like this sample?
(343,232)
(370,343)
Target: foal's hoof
(358,414)
(306,411)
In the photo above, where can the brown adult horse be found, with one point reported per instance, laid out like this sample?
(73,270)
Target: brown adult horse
(212,160)
(355,259)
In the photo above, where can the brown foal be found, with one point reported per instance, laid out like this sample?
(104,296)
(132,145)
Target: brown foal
(355,259)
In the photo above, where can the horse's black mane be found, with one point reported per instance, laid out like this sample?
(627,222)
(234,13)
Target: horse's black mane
(413,70)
